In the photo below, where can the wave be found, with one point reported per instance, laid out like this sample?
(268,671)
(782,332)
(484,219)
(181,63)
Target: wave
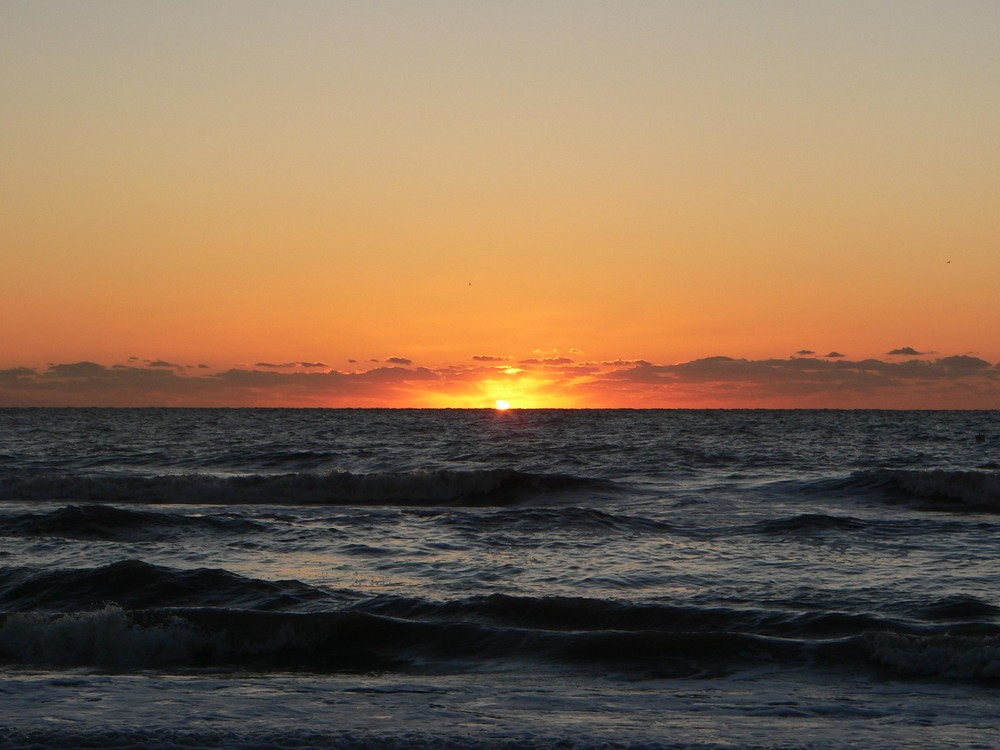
(566,517)
(172,738)
(441,487)
(957,608)
(581,613)
(136,584)
(806,524)
(495,632)
(354,641)
(935,489)
(109,523)
(953,657)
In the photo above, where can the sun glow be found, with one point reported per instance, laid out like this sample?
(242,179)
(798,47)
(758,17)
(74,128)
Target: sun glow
(511,392)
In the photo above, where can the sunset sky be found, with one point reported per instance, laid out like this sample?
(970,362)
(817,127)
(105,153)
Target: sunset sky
(564,204)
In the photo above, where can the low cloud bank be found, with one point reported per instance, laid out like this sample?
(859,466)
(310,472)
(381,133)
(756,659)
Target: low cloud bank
(802,381)
(92,384)
(950,382)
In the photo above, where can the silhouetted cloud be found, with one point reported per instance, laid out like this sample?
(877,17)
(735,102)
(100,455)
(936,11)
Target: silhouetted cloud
(955,382)
(835,355)
(805,352)
(399,361)
(487,358)
(164,363)
(83,369)
(16,373)
(906,351)
(963,362)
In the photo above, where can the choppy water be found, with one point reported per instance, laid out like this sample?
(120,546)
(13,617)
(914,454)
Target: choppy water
(370,578)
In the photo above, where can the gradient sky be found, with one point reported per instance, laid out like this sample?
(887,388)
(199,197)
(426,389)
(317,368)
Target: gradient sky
(443,203)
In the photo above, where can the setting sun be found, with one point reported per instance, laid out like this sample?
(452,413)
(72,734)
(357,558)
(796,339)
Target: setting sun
(502,405)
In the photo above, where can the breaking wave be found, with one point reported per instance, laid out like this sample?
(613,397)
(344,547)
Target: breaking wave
(486,632)
(325,642)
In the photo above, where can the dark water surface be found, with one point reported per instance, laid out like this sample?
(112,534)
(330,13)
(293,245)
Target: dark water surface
(395,578)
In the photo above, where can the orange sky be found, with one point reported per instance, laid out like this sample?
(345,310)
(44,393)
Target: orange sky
(227,184)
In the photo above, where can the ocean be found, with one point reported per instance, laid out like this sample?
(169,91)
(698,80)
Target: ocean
(269,578)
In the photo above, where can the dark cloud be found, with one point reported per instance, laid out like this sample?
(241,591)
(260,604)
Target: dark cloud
(77,370)
(906,351)
(950,382)
(164,363)
(963,363)
(805,352)
(835,355)
(17,373)
(92,384)
(487,358)
(399,361)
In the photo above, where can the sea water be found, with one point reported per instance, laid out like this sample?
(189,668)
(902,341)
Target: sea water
(483,579)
